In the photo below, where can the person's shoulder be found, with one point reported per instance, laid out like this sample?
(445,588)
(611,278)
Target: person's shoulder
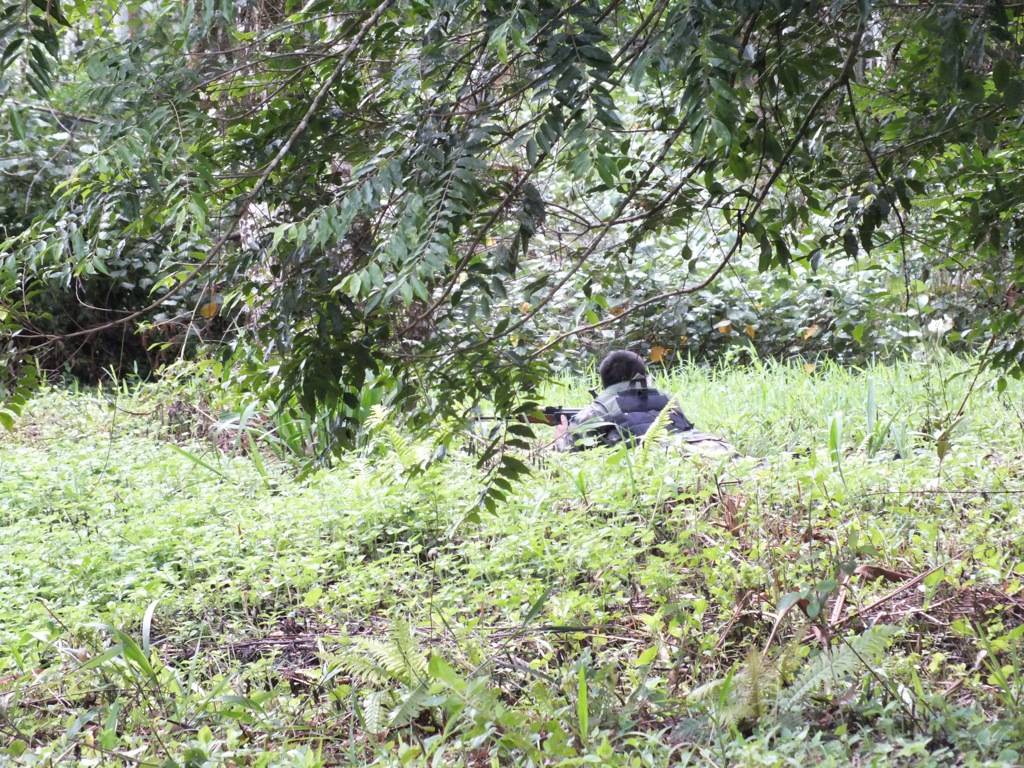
(609,393)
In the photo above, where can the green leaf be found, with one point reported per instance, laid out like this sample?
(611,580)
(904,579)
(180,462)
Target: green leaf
(147,626)
(764,262)
(9,53)
(902,193)
(850,243)
(513,467)
(523,430)
(52,8)
(787,602)
(440,670)
(835,441)
(582,704)
(234,700)
(498,41)
(1002,72)
(198,461)
(740,166)
(647,656)
(98,661)
(17,123)
(1013,94)
(536,607)
(419,289)
(532,152)
(132,652)
(721,130)
(607,169)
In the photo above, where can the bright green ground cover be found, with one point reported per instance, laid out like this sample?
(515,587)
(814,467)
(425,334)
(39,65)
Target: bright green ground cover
(162,600)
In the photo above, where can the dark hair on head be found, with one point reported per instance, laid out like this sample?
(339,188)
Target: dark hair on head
(619,366)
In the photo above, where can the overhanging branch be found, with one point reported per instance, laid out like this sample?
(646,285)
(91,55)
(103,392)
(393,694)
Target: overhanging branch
(743,216)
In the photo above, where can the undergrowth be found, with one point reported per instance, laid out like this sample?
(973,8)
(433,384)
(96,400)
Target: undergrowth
(849,590)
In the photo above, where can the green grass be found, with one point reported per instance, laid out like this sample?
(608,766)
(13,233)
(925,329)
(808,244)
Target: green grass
(166,597)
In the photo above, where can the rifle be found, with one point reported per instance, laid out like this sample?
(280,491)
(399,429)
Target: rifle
(552,415)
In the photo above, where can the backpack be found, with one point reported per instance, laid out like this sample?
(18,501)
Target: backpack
(632,411)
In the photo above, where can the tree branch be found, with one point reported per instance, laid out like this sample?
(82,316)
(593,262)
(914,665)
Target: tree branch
(219,244)
(743,216)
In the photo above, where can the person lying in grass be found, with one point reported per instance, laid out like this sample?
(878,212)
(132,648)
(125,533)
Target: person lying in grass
(626,409)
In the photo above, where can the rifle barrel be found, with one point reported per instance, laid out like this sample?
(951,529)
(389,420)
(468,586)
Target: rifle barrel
(551,415)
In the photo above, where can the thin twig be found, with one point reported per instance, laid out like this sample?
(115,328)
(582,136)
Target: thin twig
(941,492)
(886,598)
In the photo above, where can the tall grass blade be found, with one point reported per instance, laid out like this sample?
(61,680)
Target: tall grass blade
(582,705)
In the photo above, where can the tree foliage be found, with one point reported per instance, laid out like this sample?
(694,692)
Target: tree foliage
(426,202)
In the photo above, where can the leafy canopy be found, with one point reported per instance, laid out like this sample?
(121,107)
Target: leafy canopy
(426,203)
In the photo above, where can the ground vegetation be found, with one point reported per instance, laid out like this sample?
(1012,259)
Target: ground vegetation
(850,593)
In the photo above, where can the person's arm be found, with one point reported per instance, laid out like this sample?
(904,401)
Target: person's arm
(563,440)
(588,422)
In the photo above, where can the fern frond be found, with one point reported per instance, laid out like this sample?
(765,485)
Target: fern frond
(373,711)
(398,659)
(402,447)
(414,660)
(397,668)
(829,667)
(384,655)
(745,692)
(379,416)
(363,667)
(761,681)
(658,430)
(380,424)
(412,703)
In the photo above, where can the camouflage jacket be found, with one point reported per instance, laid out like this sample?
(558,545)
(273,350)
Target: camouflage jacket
(623,411)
